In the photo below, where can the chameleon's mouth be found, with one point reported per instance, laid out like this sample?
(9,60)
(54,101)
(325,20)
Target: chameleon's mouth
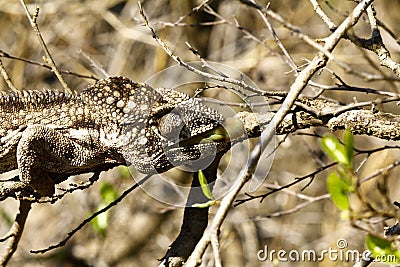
(190,147)
(231,129)
(218,134)
(205,146)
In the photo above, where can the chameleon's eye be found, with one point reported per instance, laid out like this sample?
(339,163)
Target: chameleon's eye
(170,125)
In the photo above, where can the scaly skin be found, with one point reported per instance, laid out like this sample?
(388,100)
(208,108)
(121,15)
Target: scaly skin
(51,135)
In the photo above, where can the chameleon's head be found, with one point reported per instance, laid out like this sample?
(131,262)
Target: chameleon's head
(194,131)
(159,128)
(180,131)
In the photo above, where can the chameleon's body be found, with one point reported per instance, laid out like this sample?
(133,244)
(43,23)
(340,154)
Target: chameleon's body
(51,135)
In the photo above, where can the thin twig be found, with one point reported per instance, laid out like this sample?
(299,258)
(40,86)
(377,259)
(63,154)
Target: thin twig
(220,73)
(349,88)
(16,231)
(246,32)
(283,187)
(94,215)
(195,9)
(293,210)
(72,189)
(297,32)
(289,60)
(215,248)
(48,59)
(44,65)
(7,78)
(376,45)
(205,63)
(379,172)
(297,87)
(388,30)
(331,25)
(178,60)
(93,63)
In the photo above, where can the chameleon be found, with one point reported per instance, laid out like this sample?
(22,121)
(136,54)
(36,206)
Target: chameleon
(50,135)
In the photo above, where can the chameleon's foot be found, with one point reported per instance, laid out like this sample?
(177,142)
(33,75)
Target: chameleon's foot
(44,186)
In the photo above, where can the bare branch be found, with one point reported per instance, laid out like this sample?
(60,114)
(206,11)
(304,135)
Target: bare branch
(323,16)
(294,209)
(290,60)
(376,45)
(44,65)
(379,172)
(215,248)
(94,215)
(189,67)
(7,78)
(48,59)
(301,81)
(16,231)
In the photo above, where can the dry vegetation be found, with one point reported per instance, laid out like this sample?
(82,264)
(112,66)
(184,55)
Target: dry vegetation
(140,229)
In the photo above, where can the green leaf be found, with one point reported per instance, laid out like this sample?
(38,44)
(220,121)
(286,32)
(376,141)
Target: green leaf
(217,137)
(338,190)
(336,150)
(125,172)
(382,248)
(108,194)
(349,145)
(204,185)
(347,177)
(100,222)
(206,191)
(204,205)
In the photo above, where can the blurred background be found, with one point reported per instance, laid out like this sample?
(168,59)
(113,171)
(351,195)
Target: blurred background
(138,231)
